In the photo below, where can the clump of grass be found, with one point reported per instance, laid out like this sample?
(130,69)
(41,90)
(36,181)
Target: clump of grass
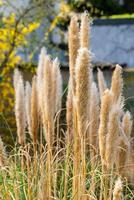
(85,160)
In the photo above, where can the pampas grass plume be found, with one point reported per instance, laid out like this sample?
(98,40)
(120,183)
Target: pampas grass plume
(83,78)
(117,84)
(124,143)
(73,48)
(47,90)
(112,137)
(104,117)
(17,75)
(118,190)
(19,110)
(57,85)
(40,76)
(127,124)
(94,120)
(28,91)
(34,110)
(69,111)
(84,31)
(101,82)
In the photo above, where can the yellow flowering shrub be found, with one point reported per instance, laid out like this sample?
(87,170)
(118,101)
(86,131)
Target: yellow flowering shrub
(13,35)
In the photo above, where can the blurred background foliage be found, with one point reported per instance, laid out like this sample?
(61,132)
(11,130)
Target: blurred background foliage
(17,31)
(26,26)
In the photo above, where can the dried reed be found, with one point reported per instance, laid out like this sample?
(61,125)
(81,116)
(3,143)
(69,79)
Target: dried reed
(94,122)
(117,85)
(103,127)
(112,136)
(40,75)
(84,31)
(28,91)
(69,112)
(82,115)
(101,82)
(34,112)
(73,48)
(93,132)
(124,143)
(19,107)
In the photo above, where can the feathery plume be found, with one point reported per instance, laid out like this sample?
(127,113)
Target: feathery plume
(34,110)
(94,120)
(112,136)
(47,83)
(69,111)
(129,168)
(123,150)
(83,78)
(19,110)
(28,91)
(55,67)
(127,124)
(103,127)
(16,77)
(47,116)
(124,143)
(59,91)
(117,85)
(47,96)
(118,190)
(40,75)
(101,82)
(82,103)
(73,48)
(57,85)
(84,31)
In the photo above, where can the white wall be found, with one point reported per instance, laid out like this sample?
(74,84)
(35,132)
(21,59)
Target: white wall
(113,43)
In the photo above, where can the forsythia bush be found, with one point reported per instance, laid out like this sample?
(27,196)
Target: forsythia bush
(13,35)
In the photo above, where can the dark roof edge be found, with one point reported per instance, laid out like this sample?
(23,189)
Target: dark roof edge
(113,22)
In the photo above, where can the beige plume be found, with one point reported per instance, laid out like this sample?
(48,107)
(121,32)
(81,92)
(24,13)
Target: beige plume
(84,31)
(73,48)
(101,82)
(19,109)
(104,117)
